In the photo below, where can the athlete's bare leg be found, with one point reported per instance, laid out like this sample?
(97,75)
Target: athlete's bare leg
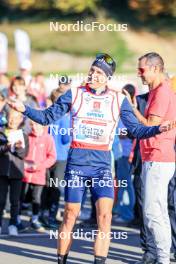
(104,217)
(71,213)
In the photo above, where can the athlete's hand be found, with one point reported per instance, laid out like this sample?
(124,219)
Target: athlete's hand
(126,93)
(133,100)
(16,105)
(167,125)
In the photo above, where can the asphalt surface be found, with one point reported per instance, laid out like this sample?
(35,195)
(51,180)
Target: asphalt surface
(34,248)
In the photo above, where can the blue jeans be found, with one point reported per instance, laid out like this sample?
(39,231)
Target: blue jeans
(172,209)
(126,195)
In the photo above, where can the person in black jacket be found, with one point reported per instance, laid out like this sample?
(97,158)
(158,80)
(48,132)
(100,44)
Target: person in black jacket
(13,149)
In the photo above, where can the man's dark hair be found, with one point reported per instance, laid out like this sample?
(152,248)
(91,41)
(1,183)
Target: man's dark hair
(154,59)
(130,89)
(64,79)
(19,79)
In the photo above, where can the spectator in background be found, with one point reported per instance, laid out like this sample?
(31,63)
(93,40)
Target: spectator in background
(4,81)
(60,133)
(13,149)
(37,89)
(173,83)
(25,71)
(117,154)
(41,156)
(3,107)
(172,192)
(64,84)
(126,196)
(18,90)
(146,238)
(172,211)
(4,85)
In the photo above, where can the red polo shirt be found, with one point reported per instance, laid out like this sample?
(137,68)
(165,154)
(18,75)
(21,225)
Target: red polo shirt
(162,103)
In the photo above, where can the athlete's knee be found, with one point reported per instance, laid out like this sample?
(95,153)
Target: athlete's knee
(70,216)
(104,219)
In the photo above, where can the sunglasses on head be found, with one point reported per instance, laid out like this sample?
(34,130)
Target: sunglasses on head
(105,57)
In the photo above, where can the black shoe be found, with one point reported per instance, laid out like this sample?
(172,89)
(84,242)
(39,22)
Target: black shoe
(175,256)
(53,223)
(21,227)
(37,226)
(44,221)
(147,260)
(134,223)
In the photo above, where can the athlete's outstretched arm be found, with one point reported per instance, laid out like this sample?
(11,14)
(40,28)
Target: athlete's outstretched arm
(133,125)
(49,115)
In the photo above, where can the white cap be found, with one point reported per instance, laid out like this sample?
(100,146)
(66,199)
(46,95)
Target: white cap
(26,64)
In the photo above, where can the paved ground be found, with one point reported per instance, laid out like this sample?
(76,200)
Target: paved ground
(40,249)
(33,248)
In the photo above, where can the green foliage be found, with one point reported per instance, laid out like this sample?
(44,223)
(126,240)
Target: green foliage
(76,6)
(76,43)
(153,8)
(145,8)
(65,6)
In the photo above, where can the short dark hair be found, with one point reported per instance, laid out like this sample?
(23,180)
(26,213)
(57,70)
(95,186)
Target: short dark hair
(155,59)
(54,95)
(64,79)
(18,79)
(130,88)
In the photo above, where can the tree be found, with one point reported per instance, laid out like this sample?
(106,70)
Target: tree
(154,7)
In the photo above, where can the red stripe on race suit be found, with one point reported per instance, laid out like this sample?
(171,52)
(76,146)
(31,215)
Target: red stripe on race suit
(94,122)
(75,144)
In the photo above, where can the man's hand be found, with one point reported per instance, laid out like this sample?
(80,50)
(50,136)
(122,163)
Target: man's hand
(167,125)
(16,105)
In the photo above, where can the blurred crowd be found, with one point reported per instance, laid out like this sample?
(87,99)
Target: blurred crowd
(31,155)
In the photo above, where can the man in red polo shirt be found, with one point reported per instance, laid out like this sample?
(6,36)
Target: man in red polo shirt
(158,154)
